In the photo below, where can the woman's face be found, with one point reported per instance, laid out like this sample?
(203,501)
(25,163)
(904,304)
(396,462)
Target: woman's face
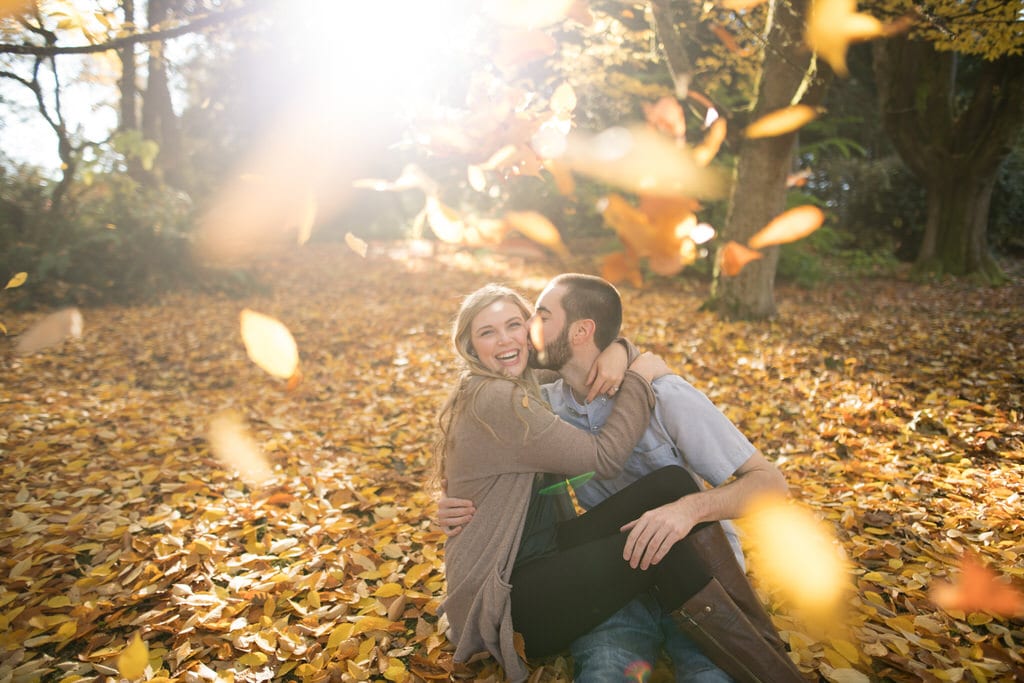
(499,335)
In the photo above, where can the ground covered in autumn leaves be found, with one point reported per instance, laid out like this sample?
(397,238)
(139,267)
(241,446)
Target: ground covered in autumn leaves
(894,409)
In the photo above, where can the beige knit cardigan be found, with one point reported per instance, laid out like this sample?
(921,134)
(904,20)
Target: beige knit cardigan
(498,445)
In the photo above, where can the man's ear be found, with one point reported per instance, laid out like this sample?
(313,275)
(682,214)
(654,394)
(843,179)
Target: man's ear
(582,331)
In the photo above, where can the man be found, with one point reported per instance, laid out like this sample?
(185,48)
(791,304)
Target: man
(578,316)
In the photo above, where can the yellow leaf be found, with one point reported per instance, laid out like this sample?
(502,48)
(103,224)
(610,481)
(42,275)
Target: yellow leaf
(355,244)
(396,670)
(340,633)
(833,24)
(781,121)
(536,227)
(231,444)
(846,649)
(388,590)
(846,675)
(67,630)
(269,344)
(797,554)
(134,659)
(17,281)
(788,226)
(253,659)
(413,576)
(313,599)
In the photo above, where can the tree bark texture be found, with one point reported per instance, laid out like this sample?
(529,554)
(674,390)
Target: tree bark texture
(759,186)
(953,136)
(159,122)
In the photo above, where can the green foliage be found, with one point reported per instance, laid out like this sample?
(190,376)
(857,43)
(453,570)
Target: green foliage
(116,241)
(1006,217)
(827,255)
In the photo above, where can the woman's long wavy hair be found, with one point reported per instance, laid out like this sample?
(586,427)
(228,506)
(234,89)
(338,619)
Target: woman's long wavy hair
(462,396)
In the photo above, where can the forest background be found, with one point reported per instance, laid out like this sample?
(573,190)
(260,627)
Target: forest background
(826,241)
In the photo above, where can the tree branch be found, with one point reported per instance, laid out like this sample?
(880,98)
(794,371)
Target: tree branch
(146,37)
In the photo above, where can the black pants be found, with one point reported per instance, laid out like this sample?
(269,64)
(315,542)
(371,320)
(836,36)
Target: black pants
(559,597)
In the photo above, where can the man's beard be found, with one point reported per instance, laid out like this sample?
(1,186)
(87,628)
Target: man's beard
(556,353)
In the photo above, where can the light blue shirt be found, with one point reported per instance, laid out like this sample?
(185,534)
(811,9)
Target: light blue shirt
(686,429)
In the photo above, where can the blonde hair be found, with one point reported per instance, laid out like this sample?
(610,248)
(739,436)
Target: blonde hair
(470,366)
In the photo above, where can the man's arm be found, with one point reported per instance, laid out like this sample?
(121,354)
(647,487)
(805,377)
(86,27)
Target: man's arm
(653,534)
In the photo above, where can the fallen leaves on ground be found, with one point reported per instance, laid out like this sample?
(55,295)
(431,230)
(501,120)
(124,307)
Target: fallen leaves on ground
(894,410)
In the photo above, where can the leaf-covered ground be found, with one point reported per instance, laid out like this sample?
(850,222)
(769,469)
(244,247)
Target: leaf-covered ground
(894,409)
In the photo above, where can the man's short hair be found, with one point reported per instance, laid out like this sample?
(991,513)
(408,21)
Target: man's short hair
(588,296)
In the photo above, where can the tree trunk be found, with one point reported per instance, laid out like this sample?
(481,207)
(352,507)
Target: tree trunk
(954,149)
(129,118)
(759,187)
(159,122)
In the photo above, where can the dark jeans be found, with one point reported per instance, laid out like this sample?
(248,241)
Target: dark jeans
(561,596)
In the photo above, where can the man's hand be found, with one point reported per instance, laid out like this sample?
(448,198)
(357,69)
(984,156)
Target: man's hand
(453,514)
(656,531)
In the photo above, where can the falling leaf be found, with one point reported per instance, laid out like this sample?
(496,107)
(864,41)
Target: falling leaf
(269,344)
(622,267)
(17,281)
(356,244)
(979,589)
(708,148)
(307,216)
(412,177)
(797,554)
(527,13)
(563,100)
(729,41)
(666,115)
(643,161)
(134,659)
(231,443)
(781,121)
(50,331)
(538,228)
(476,177)
(833,24)
(789,226)
(735,256)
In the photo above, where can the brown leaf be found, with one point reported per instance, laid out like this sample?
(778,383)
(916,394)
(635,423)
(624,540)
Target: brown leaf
(979,590)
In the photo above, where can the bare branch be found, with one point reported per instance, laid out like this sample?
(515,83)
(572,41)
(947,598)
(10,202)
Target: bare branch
(146,37)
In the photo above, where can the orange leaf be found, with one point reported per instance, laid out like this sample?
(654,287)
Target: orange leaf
(704,152)
(620,267)
(735,256)
(979,590)
(231,444)
(666,115)
(729,40)
(789,226)
(781,121)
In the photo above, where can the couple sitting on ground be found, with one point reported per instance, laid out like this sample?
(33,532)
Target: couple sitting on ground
(652,563)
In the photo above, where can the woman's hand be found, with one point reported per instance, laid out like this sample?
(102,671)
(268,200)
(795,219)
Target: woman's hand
(650,366)
(607,371)
(453,514)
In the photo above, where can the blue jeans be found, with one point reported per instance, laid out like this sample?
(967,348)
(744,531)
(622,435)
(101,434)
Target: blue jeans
(626,646)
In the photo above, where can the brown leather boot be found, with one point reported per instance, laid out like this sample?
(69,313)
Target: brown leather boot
(712,545)
(721,629)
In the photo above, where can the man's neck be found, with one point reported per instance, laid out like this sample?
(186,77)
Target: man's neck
(574,373)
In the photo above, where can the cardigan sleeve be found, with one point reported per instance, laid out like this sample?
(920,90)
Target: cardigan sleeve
(542,442)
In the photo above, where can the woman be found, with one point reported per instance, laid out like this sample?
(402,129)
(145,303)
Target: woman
(497,433)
